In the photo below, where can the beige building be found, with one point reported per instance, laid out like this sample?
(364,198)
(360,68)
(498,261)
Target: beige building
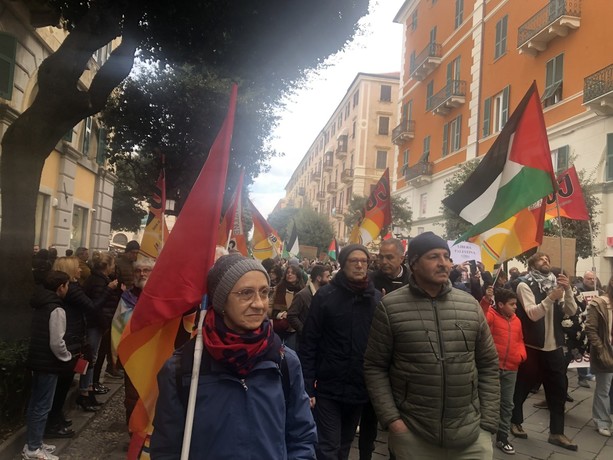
(351,153)
(76,189)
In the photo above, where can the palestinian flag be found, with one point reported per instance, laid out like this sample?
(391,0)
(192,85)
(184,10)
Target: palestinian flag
(333,250)
(515,173)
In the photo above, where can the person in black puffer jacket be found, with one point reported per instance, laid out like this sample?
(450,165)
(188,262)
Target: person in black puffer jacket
(332,352)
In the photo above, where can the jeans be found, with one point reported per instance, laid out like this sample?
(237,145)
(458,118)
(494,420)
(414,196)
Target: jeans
(507,389)
(41,399)
(336,424)
(93,340)
(601,402)
(368,431)
(64,380)
(409,446)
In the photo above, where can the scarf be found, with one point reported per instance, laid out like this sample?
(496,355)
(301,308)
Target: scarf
(359,287)
(546,282)
(239,353)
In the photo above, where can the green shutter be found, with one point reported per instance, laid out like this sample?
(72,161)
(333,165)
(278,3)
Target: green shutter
(8,48)
(562,158)
(101,153)
(609,161)
(458,134)
(503,38)
(505,105)
(487,115)
(445,139)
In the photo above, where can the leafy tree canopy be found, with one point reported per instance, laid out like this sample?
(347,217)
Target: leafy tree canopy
(313,229)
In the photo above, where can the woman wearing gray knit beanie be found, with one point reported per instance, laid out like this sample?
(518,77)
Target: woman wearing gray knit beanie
(251,401)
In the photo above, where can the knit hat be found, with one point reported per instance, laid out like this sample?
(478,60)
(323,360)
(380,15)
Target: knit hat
(423,243)
(225,274)
(132,246)
(342,257)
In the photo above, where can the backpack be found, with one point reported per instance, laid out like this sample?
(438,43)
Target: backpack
(186,363)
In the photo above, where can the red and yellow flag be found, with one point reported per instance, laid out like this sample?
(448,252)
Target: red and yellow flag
(569,196)
(156,231)
(513,237)
(376,215)
(233,220)
(176,285)
(265,243)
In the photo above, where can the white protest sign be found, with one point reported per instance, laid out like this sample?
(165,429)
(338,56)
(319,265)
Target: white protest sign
(464,251)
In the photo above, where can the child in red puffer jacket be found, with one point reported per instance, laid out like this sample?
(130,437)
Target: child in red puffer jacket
(499,308)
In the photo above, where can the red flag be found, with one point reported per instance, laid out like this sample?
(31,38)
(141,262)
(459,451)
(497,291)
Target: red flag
(569,196)
(265,242)
(233,220)
(176,284)
(377,213)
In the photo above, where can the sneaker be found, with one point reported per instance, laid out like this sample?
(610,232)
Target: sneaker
(590,377)
(518,431)
(604,432)
(562,441)
(49,448)
(505,447)
(38,454)
(100,389)
(583,383)
(58,432)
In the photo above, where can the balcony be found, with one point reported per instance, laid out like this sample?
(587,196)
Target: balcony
(328,164)
(337,213)
(301,191)
(347,175)
(341,150)
(451,96)
(555,20)
(403,132)
(419,174)
(332,187)
(316,176)
(321,196)
(598,91)
(425,62)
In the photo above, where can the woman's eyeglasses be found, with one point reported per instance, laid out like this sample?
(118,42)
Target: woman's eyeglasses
(248,294)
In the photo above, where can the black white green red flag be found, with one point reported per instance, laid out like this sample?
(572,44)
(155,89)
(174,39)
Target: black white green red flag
(515,173)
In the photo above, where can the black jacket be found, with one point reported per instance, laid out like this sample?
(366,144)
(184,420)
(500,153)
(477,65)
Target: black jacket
(334,340)
(104,298)
(382,281)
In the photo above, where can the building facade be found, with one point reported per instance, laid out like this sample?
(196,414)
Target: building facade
(76,189)
(466,64)
(351,153)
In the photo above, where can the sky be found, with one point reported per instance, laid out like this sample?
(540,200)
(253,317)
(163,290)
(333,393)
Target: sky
(376,48)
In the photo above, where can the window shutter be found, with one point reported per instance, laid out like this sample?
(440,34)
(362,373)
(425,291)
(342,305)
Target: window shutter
(487,115)
(8,47)
(101,153)
(445,139)
(562,158)
(609,162)
(458,134)
(505,105)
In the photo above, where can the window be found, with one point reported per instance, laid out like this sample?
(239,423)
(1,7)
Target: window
(349,194)
(407,110)
(101,152)
(501,38)
(429,94)
(384,125)
(433,35)
(87,134)
(412,62)
(452,136)
(453,69)
(347,110)
(405,161)
(553,81)
(356,98)
(41,219)
(459,12)
(381,159)
(609,160)
(496,112)
(559,158)
(386,93)
(425,156)
(423,204)
(8,47)
(353,131)
(414,20)
(79,227)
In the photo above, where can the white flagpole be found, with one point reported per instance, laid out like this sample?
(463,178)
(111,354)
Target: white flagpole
(193,388)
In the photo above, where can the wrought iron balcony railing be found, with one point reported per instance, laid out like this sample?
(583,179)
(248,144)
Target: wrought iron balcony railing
(421,169)
(451,96)
(316,176)
(347,175)
(598,91)
(332,187)
(328,164)
(425,62)
(405,130)
(554,20)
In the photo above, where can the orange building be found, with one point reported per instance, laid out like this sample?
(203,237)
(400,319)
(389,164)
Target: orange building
(465,66)
(350,154)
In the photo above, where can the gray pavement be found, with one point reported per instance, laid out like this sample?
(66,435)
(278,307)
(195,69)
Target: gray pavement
(102,435)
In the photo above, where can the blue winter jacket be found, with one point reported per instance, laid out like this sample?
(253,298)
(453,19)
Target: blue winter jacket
(236,419)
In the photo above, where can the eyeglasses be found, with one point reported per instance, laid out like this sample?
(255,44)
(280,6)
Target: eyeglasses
(357,261)
(248,294)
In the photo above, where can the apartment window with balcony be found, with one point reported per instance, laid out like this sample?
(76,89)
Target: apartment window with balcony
(412,61)
(459,13)
(553,81)
(453,69)
(414,20)
(8,50)
(386,93)
(407,110)
(381,159)
(433,35)
(87,134)
(452,132)
(384,125)
(559,158)
(426,151)
(501,37)
(496,112)
(356,98)
(609,160)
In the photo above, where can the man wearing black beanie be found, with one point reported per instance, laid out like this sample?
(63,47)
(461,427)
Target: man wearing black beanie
(431,367)
(332,352)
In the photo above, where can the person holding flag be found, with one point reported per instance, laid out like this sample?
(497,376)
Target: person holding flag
(251,401)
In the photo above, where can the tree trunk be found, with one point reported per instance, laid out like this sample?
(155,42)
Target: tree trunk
(59,105)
